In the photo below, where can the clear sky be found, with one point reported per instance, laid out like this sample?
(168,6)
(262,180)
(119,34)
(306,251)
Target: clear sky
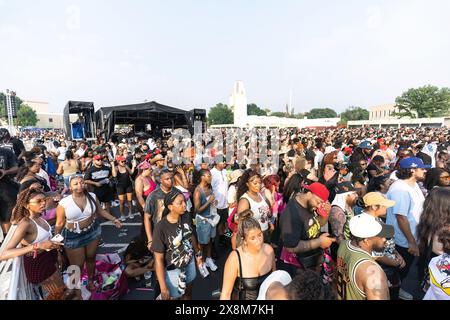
(188,53)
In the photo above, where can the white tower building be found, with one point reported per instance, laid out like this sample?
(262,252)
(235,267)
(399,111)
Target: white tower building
(238,103)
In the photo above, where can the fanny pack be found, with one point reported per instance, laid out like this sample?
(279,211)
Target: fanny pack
(311,259)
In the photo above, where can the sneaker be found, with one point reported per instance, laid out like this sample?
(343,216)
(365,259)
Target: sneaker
(122,218)
(404,295)
(210,264)
(134,203)
(203,270)
(130,216)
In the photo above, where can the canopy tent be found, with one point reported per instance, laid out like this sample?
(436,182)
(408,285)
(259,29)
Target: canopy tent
(159,116)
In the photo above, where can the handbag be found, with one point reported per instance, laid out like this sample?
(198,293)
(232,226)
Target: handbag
(110,281)
(230,220)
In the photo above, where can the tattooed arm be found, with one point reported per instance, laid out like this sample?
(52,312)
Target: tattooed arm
(337,221)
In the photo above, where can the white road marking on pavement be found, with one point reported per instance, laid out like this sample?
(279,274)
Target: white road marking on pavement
(109,223)
(114,245)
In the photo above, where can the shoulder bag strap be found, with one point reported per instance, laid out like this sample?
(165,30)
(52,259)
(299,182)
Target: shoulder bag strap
(241,286)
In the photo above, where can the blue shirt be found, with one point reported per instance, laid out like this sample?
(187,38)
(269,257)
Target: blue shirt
(405,205)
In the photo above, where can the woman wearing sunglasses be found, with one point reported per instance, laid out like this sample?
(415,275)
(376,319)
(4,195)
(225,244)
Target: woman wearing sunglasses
(124,186)
(34,235)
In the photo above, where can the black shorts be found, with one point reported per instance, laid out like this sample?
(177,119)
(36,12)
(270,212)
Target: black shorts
(121,189)
(104,194)
(223,213)
(8,197)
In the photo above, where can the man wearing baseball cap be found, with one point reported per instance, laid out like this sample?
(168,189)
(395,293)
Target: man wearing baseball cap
(98,176)
(406,212)
(300,230)
(359,275)
(376,205)
(362,152)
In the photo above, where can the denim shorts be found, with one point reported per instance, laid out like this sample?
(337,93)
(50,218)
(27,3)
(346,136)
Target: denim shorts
(172,278)
(73,240)
(205,231)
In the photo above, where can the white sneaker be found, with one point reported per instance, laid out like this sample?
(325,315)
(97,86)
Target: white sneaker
(134,203)
(122,218)
(210,264)
(404,295)
(203,270)
(130,216)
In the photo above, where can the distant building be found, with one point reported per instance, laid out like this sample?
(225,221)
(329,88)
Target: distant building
(46,119)
(238,103)
(382,116)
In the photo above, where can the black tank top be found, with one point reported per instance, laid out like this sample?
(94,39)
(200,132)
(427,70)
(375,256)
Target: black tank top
(247,288)
(123,179)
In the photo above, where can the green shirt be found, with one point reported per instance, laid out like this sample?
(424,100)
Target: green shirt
(348,259)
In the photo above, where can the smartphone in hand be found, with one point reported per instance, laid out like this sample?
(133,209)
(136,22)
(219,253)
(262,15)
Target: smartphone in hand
(57,238)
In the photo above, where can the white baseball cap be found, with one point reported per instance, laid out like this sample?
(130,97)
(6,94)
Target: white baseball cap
(366,226)
(279,275)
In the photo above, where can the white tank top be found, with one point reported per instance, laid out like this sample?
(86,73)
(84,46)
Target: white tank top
(74,213)
(42,234)
(260,211)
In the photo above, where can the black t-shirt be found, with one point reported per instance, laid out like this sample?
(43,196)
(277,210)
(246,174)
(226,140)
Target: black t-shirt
(8,159)
(98,175)
(370,167)
(174,240)
(297,223)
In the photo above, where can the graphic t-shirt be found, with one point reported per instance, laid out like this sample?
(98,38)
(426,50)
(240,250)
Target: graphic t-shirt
(297,223)
(439,269)
(174,240)
(98,174)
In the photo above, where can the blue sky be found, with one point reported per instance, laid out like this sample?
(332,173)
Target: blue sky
(189,53)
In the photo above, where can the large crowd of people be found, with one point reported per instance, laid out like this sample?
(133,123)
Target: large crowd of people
(347,214)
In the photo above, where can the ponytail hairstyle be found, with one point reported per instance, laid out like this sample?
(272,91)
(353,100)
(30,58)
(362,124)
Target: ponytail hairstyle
(200,174)
(20,211)
(246,222)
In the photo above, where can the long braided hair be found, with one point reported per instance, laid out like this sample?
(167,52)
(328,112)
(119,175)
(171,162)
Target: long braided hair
(20,211)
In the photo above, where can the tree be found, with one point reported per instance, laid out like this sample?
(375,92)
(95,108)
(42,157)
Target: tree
(254,110)
(354,113)
(424,102)
(220,114)
(26,116)
(318,113)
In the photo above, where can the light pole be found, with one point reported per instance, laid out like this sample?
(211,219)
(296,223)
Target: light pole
(11,110)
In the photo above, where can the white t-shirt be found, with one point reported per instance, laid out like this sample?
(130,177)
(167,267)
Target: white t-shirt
(231,197)
(318,159)
(260,211)
(219,183)
(62,153)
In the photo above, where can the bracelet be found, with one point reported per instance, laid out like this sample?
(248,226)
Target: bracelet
(151,241)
